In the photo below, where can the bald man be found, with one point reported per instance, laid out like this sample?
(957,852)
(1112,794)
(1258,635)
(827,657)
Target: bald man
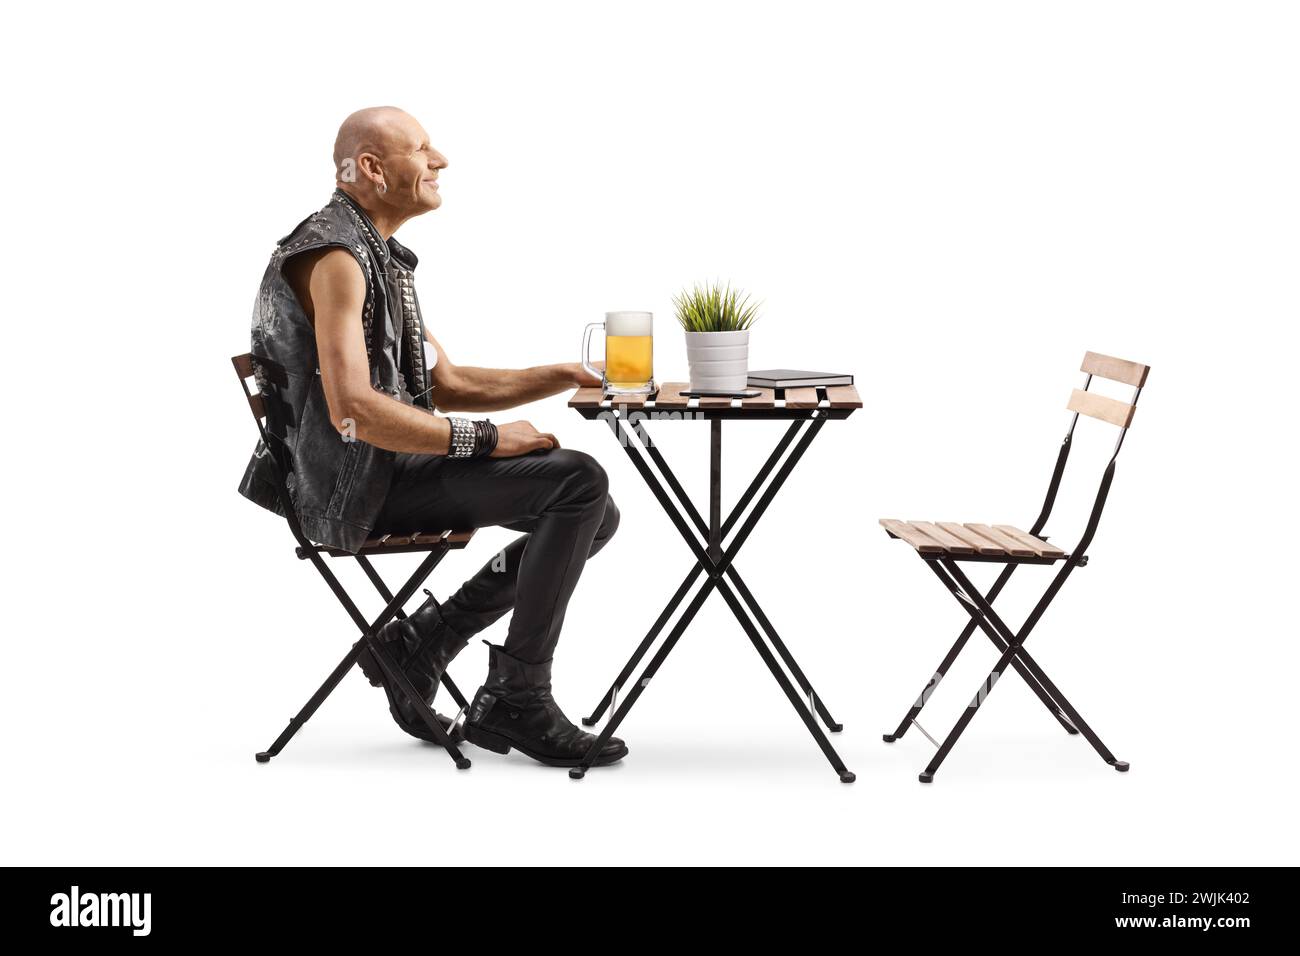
(354,383)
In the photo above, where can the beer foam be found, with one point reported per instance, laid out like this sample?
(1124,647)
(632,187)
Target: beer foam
(629,323)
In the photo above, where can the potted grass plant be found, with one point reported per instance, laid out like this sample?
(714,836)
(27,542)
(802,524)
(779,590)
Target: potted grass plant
(716,319)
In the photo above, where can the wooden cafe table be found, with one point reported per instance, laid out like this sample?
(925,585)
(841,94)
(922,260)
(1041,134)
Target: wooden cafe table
(807,410)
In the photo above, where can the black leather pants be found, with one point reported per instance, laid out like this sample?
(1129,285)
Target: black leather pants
(559,499)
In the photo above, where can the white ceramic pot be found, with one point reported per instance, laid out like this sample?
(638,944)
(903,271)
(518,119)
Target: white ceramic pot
(719,361)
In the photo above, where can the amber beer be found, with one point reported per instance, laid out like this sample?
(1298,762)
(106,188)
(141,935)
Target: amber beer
(629,352)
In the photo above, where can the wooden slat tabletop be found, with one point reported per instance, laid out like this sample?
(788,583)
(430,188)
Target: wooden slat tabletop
(670,395)
(586,397)
(628,401)
(843,396)
(801,398)
(838,400)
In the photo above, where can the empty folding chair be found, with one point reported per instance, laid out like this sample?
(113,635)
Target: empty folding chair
(944,546)
(435,543)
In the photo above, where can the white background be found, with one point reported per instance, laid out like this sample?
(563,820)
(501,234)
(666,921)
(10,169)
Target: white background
(952,200)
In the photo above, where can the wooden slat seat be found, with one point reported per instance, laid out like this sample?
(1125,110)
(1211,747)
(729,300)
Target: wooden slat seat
(417,539)
(396,543)
(971,541)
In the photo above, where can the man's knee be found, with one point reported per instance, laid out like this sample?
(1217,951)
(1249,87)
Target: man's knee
(609,524)
(582,473)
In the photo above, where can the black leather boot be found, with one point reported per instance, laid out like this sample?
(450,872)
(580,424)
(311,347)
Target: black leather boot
(421,646)
(514,708)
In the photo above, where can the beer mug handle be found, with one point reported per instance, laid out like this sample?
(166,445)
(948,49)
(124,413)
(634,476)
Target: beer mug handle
(586,349)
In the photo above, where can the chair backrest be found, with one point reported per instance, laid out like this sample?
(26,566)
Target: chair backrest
(1103,408)
(244,368)
(1084,402)
(256,404)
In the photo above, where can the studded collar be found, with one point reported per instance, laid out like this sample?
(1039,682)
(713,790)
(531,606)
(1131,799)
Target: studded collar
(382,250)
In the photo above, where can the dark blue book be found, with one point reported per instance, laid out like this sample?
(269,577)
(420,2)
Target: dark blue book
(793,378)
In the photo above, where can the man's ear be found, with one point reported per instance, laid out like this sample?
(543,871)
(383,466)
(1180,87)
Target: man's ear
(371,168)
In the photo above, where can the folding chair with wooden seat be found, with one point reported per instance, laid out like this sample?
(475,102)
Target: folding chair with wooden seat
(945,545)
(435,544)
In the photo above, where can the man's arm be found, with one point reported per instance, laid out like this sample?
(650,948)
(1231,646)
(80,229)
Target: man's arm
(466,388)
(332,290)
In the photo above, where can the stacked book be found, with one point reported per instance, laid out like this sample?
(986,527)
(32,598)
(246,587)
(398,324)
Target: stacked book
(794,378)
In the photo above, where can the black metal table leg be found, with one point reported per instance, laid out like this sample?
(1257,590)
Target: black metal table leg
(717,563)
(577,773)
(715,489)
(647,642)
(710,531)
(796,671)
(846,775)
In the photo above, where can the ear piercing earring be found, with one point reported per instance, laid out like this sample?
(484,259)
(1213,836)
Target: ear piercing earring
(383,187)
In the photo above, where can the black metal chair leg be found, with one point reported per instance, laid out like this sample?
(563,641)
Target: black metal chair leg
(403,684)
(966,593)
(846,775)
(968,714)
(369,629)
(452,689)
(382,588)
(942,671)
(1089,734)
(379,584)
(929,688)
(316,699)
(1031,665)
(988,618)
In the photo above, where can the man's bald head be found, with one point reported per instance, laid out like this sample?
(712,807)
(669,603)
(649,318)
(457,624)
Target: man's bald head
(384,160)
(371,130)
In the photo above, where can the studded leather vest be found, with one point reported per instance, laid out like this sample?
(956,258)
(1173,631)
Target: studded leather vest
(337,484)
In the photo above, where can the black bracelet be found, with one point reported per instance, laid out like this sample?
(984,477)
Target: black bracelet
(485,438)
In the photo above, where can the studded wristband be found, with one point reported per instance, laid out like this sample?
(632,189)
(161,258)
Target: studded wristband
(464,438)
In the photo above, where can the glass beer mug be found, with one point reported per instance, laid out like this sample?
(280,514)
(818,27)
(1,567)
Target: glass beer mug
(629,352)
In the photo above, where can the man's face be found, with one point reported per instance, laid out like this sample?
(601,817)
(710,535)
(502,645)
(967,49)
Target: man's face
(411,166)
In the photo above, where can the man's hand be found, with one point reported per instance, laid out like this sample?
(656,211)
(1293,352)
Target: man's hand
(466,388)
(584,379)
(519,438)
